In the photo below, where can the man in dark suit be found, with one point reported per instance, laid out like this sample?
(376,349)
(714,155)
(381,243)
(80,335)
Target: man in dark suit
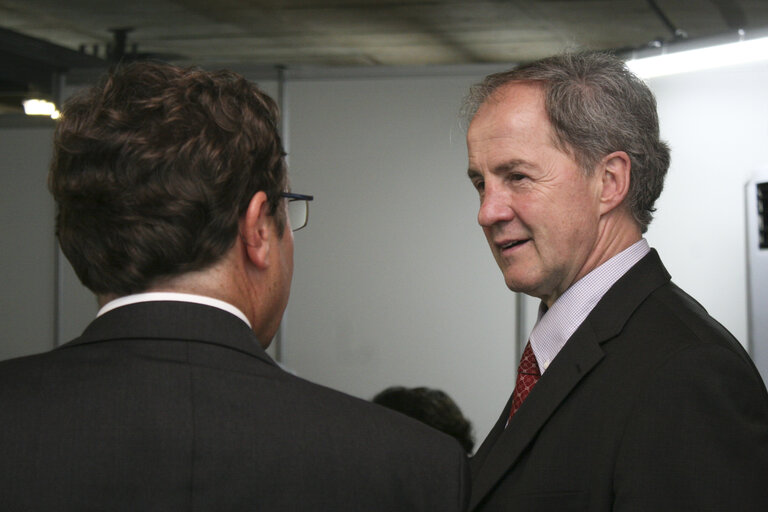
(172,206)
(629,396)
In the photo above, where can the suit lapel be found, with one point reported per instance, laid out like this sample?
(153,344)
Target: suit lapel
(576,359)
(503,447)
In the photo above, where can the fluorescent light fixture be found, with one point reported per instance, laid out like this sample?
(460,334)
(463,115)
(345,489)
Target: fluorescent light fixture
(731,54)
(36,107)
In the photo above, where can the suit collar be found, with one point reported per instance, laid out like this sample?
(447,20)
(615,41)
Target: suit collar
(173,296)
(503,447)
(172,320)
(615,308)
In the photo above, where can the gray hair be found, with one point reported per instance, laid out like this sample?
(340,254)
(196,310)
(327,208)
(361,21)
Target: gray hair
(596,106)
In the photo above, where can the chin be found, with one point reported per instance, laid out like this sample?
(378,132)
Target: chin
(518,286)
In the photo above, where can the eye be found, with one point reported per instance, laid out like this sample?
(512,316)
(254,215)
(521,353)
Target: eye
(479,185)
(516,176)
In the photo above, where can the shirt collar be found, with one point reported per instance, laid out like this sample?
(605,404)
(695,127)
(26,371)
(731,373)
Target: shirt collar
(173,296)
(556,324)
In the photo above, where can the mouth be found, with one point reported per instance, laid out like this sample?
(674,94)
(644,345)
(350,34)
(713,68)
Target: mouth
(504,246)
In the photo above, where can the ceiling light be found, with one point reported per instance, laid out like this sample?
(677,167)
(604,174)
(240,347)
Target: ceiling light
(38,107)
(731,54)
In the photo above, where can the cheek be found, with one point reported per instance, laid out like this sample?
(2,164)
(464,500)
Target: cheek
(579,208)
(560,231)
(579,230)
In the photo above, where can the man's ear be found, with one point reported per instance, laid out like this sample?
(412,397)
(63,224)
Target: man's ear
(255,230)
(615,170)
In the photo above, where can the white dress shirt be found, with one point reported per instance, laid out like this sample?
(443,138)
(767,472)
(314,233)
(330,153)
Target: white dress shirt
(556,324)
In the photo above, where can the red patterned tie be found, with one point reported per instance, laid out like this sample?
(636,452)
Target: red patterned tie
(527,375)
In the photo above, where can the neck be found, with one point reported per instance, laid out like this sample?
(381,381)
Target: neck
(230,280)
(616,232)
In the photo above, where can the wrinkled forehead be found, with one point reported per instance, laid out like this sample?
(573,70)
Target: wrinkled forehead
(513,107)
(517,108)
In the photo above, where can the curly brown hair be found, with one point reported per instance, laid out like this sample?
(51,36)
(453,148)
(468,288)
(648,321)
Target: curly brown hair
(153,168)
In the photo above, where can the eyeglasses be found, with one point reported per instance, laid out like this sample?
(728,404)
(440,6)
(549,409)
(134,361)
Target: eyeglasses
(298,209)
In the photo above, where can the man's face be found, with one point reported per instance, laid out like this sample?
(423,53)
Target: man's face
(538,210)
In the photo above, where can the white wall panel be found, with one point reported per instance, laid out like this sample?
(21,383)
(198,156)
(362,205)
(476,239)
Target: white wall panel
(27,241)
(717,125)
(394,283)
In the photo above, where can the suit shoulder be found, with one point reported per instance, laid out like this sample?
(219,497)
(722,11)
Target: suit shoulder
(684,320)
(425,461)
(24,367)
(670,325)
(379,420)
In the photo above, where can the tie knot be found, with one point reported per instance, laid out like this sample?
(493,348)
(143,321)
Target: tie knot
(527,376)
(528,364)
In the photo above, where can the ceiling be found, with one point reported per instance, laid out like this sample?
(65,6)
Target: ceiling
(40,35)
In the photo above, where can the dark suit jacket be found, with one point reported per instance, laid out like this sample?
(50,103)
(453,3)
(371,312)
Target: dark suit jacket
(650,406)
(171,406)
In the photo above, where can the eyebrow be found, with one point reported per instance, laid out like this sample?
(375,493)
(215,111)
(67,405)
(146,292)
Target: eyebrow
(508,166)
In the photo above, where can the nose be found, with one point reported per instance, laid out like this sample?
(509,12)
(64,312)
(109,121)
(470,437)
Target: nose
(495,207)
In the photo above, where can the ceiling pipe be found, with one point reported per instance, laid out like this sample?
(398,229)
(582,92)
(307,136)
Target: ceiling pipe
(677,33)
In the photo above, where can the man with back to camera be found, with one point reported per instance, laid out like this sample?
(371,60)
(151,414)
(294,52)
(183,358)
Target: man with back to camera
(629,396)
(171,193)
